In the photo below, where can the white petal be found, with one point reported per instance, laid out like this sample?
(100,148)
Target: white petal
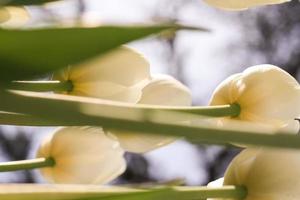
(115,76)
(110,91)
(14,17)
(162,90)
(82,155)
(165,90)
(265,82)
(140,142)
(265,93)
(267,174)
(227,92)
(216,183)
(241,4)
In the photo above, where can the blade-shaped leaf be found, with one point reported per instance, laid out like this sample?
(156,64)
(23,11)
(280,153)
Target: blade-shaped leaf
(25,2)
(79,111)
(76,192)
(96,192)
(26,53)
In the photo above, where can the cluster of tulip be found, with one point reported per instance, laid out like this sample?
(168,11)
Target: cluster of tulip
(268,174)
(264,96)
(103,154)
(265,173)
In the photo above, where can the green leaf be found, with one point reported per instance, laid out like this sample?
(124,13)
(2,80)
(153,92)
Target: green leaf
(28,53)
(94,192)
(67,110)
(25,2)
(77,192)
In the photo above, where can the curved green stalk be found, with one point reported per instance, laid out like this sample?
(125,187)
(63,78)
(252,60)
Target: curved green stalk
(26,164)
(196,192)
(79,112)
(42,86)
(97,192)
(67,86)
(179,193)
(7,118)
(16,119)
(211,111)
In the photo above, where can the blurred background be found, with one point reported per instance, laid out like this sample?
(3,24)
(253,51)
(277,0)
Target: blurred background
(201,60)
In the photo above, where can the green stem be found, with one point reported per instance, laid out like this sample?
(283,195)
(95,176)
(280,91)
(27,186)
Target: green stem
(57,86)
(212,111)
(81,112)
(196,192)
(26,164)
(92,192)
(17,119)
(42,86)
(180,193)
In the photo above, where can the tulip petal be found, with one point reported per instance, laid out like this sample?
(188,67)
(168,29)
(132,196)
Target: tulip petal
(265,93)
(83,155)
(165,90)
(241,4)
(118,75)
(13,17)
(162,90)
(269,174)
(216,183)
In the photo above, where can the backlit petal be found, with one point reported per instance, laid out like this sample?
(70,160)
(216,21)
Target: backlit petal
(267,174)
(241,4)
(265,93)
(118,75)
(162,90)
(83,155)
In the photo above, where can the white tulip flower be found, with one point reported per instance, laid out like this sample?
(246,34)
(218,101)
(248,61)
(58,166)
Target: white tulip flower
(123,75)
(266,94)
(241,4)
(268,174)
(216,183)
(82,155)
(162,90)
(118,75)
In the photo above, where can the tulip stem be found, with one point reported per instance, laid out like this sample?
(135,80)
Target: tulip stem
(67,86)
(196,192)
(16,119)
(232,110)
(27,164)
(66,111)
(94,192)
(42,86)
(178,192)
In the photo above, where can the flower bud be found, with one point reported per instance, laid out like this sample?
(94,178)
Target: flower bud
(268,174)
(162,90)
(118,75)
(266,94)
(82,155)
(241,4)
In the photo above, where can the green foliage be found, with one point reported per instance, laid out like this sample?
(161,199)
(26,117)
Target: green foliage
(78,111)
(88,192)
(31,53)
(28,53)
(25,2)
